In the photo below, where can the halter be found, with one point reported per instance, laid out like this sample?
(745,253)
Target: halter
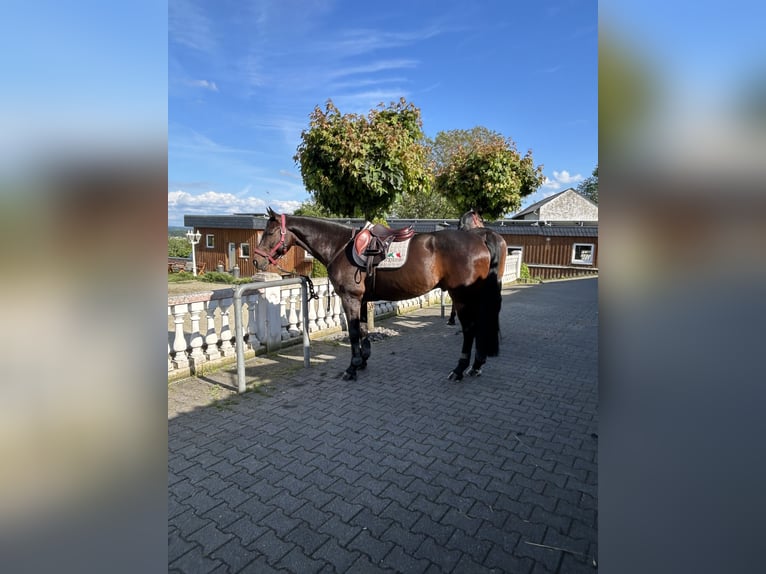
(277,247)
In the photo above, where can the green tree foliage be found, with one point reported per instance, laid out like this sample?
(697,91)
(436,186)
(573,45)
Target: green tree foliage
(426,204)
(589,186)
(310,208)
(480,169)
(178,247)
(356,165)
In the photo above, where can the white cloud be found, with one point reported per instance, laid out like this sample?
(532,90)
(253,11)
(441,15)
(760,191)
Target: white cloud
(182,203)
(561,178)
(208,85)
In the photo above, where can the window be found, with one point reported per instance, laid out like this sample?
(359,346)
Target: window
(210,241)
(582,253)
(244,250)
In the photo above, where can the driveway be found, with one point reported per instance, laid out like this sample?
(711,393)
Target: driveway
(401,470)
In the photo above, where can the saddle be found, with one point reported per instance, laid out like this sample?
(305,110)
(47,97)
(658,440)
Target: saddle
(371,244)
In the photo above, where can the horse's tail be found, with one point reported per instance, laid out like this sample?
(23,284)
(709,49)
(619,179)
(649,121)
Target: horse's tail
(488,324)
(488,321)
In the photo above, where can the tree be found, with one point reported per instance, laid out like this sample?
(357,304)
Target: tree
(426,204)
(481,170)
(589,186)
(178,247)
(356,165)
(311,208)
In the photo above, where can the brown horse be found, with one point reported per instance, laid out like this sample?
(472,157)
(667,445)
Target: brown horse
(457,262)
(473,222)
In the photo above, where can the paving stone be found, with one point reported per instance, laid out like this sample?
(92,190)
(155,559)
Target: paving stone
(210,537)
(402,562)
(246,530)
(195,561)
(234,556)
(371,546)
(444,477)
(271,546)
(438,554)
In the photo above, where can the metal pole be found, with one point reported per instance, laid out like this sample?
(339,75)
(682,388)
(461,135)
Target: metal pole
(306,341)
(194,260)
(239,327)
(240,339)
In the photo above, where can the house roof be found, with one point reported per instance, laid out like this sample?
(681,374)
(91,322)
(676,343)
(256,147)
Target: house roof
(535,206)
(503,227)
(546,230)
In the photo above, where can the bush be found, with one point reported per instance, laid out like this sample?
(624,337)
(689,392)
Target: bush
(217,277)
(318,270)
(178,247)
(524,274)
(180,276)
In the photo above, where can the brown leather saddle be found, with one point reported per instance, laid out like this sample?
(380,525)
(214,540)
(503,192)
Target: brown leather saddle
(371,244)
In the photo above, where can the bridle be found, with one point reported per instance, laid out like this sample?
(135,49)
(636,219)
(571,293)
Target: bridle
(281,245)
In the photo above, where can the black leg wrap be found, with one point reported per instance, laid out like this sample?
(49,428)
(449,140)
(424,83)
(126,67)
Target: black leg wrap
(476,368)
(457,373)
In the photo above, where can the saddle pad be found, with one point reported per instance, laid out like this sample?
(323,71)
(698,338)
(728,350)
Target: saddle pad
(396,255)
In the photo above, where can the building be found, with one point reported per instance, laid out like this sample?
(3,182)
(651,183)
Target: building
(567,205)
(551,248)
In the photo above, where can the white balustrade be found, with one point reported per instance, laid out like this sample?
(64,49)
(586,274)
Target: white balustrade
(186,340)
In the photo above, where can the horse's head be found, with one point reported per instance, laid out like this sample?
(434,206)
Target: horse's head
(274,243)
(470,220)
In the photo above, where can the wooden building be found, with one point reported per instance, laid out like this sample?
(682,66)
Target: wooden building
(553,249)
(229,240)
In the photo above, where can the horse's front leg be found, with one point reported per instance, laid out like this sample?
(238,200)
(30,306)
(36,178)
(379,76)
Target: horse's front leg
(351,308)
(364,336)
(468,325)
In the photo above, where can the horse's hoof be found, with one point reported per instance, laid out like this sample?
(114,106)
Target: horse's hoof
(349,376)
(362,367)
(454,376)
(474,373)
(450,322)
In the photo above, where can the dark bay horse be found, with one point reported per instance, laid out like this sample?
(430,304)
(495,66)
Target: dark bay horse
(458,262)
(473,222)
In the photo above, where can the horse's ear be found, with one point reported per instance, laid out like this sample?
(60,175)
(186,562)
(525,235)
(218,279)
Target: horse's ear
(272,213)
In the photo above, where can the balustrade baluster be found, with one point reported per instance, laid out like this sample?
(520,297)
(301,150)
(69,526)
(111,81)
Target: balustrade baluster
(293,316)
(211,340)
(284,296)
(321,309)
(338,311)
(330,318)
(227,349)
(180,361)
(252,325)
(196,356)
(312,316)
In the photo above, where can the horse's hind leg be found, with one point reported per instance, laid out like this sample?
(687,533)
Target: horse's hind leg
(478,363)
(466,321)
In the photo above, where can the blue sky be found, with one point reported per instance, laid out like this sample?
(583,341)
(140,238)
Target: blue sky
(244,77)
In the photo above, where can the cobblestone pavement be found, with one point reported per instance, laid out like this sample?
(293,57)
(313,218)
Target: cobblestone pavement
(402,470)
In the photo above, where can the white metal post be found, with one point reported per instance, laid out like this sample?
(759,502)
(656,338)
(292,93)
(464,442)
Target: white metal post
(193,239)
